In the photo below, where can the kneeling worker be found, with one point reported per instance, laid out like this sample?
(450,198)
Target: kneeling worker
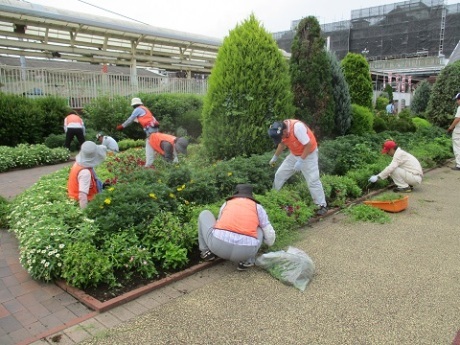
(404,169)
(166,145)
(83,183)
(109,142)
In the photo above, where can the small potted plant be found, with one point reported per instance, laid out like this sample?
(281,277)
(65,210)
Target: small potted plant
(389,201)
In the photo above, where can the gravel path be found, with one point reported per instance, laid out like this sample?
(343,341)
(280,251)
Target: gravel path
(394,283)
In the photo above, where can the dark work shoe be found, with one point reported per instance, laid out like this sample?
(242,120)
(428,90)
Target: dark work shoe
(207,255)
(411,187)
(243,266)
(456,168)
(321,211)
(402,190)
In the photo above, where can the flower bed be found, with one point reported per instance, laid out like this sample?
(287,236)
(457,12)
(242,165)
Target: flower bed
(145,225)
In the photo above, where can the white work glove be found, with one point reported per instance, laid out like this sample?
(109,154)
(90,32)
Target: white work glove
(299,164)
(273,160)
(373,178)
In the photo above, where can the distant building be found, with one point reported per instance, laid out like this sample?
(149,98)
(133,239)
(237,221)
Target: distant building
(423,28)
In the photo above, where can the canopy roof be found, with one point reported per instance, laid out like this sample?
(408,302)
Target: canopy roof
(38,31)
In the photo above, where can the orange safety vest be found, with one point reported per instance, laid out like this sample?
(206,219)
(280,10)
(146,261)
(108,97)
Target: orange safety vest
(73,118)
(239,215)
(155,140)
(147,120)
(72,184)
(295,146)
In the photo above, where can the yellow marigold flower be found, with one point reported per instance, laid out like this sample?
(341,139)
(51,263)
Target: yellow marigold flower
(181,188)
(153,196)
(229,173)
(171,195)
(111,189)
(186,202)
(107,201)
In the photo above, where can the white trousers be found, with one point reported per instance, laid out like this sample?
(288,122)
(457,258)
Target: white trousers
(149,153)
(310,172)
(403,178)
(456,147)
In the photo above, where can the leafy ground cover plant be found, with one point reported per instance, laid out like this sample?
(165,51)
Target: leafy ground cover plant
(366,213)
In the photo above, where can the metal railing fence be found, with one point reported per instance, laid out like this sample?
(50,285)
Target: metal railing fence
(80,87)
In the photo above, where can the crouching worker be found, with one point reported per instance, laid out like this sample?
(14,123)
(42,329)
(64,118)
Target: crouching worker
(404,169)
(166,145)
(239,231)
(83,183)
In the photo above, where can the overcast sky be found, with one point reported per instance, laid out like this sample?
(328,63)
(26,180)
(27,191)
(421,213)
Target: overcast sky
(216,17)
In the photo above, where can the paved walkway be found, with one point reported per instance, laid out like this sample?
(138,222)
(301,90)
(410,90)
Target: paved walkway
(395,283)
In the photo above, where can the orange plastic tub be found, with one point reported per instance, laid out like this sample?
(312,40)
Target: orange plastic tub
(391,205)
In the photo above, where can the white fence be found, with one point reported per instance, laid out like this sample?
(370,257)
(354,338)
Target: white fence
(80,87)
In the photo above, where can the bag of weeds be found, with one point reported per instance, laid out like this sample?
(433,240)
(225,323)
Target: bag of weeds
(292,267)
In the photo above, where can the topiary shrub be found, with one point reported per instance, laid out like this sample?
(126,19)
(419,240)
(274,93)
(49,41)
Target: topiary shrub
(362,120)
(249,88)
(420,123)
(381,103)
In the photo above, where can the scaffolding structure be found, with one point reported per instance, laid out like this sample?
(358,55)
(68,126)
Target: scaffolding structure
(408,29)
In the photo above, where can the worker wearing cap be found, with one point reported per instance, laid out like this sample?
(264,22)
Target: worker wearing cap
(167,146)
(455,129)
(404,169)
(303,157)
(109,142)
(145,118)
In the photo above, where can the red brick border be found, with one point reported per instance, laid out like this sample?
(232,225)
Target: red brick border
(99,306)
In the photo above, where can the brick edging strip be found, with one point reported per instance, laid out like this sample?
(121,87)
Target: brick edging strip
(99,306)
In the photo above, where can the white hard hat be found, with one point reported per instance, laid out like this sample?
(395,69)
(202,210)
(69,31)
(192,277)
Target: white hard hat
(136,101)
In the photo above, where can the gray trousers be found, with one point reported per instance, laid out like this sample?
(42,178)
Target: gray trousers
(224,250)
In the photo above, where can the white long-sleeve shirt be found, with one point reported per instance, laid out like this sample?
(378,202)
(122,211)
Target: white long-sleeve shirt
(403,160)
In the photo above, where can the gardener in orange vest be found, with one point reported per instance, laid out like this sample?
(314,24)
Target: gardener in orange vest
(74,127)
(303,157)
(83,183)
(144,117)
(238,232)
(166,145)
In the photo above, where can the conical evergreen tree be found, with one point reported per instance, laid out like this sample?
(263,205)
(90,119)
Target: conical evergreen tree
(341,95)
(441,107)
(357,74)
(421,97)
(249,88)
(311,78)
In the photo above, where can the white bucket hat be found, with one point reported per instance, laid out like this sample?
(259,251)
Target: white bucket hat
(136,101)
(91,154)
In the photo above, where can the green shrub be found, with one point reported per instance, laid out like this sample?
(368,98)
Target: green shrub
(339,189)
(362,120)
(381,103)
(380,122)
(421,123)
(4,209)
(28,156)
(248,89)
(85,266)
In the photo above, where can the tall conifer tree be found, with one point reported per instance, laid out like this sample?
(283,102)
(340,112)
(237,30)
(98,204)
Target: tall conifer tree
(249,88)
